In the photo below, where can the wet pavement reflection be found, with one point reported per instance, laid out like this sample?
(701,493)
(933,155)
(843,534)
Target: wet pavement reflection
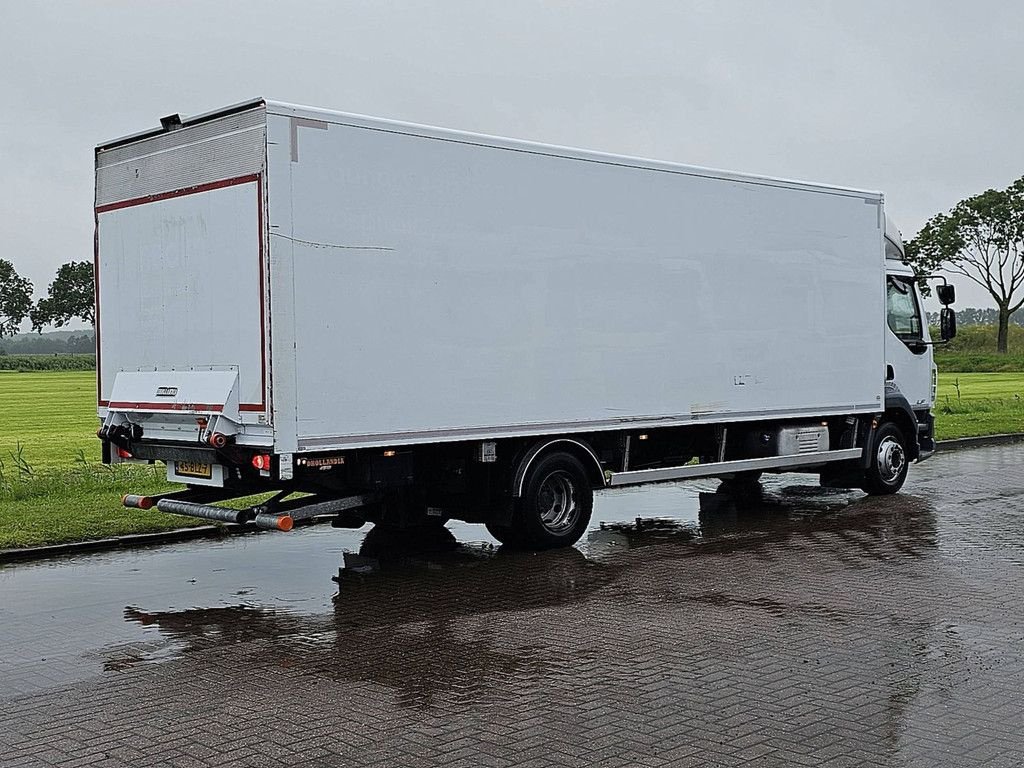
(691,625)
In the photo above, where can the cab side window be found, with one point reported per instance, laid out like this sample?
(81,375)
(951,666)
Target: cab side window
(902,311)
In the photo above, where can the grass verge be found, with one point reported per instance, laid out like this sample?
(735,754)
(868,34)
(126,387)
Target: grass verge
(78,503)
(975,404)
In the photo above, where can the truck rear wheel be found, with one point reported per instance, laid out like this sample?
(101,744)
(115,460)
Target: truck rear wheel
(889,462)
(555,508)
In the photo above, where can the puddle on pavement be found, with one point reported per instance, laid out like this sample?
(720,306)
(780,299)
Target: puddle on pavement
(71,619)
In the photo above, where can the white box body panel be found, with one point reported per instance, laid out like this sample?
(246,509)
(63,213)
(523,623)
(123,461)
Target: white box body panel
(426,285)
(180,247)
(450,287)
(195,299)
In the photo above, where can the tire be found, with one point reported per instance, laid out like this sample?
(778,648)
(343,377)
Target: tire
(742,483)
(555,508)
(750,477)
(889,462)
(744,488)
(406,509)
(505,534)
(386,544)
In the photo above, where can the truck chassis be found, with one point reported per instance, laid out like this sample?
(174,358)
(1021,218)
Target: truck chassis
(528,492)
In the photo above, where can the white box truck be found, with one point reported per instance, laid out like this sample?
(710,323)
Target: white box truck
(393,322)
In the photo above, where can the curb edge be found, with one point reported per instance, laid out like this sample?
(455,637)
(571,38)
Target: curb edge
(116,542)
(960,443)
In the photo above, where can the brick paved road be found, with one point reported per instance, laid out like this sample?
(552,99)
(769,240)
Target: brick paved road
(812,628)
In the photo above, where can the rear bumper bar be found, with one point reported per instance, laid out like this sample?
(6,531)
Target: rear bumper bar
(167,452)
(278,513)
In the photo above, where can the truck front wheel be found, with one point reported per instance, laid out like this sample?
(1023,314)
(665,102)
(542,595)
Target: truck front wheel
(554,509)
(889,462)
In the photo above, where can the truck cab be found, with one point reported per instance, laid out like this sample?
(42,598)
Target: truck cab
(910,373)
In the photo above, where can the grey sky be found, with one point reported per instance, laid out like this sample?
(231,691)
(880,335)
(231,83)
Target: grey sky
(923,100)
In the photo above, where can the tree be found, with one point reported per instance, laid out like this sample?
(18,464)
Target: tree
(70,296)
(81,344)
(15,299)
(981,238)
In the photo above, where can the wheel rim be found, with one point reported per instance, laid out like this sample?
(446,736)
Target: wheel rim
(891,459)
(556,502)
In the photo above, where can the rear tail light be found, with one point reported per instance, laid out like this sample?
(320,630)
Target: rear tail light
(123,454)
(261,461)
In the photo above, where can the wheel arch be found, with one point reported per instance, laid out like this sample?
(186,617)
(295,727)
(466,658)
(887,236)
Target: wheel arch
(573,446)
(898,412)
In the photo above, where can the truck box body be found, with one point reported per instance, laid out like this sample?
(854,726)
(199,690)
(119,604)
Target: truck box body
(329,281)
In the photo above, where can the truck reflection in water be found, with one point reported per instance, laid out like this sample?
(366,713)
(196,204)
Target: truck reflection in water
(431,619)
(414,612)
(757,518)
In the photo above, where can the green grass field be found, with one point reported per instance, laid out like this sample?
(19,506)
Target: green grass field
(53,487)
(52,414)
(971,404)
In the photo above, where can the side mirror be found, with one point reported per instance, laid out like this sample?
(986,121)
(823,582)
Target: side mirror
(947,295)
(947,321)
